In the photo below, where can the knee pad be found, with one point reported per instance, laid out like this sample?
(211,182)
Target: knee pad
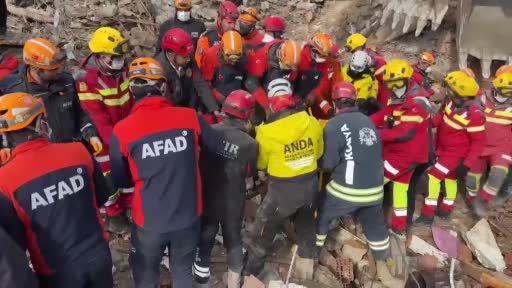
(496,177)
(473,182)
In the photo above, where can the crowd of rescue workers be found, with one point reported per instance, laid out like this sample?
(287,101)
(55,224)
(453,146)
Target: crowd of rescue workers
(174,143)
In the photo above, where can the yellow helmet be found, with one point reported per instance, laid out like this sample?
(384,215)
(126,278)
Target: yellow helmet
(503,84)
(109,41)
(462,83)
(397,69)
(355,41)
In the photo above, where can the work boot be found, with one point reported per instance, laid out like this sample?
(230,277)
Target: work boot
(233,279)
(384,269)
(424,220)
(480,207)
(117,224)
(304,268)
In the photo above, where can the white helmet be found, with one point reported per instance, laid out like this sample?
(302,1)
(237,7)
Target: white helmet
(360,61)
(279,87)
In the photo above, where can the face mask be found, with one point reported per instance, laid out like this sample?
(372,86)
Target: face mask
(318,58)
(501,99)
(117,63)
(400,92)
(183,16)
(245,29)
(429,69)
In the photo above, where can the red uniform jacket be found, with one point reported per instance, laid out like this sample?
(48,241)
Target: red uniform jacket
(407,116)
(253,41)
(52,191)
(460,133)
(8,63)
(316,79)
(223,78)
(498,127)
(262,68)
(106,99)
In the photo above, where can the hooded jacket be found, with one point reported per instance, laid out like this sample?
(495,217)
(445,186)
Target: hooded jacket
(290,146)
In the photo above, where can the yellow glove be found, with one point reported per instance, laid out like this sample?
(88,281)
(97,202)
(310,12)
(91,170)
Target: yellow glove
(96,145)
(5,155)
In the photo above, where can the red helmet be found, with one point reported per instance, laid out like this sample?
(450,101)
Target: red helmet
(343,90)
(239,104)
(228,10)
(178,41)
(274,24)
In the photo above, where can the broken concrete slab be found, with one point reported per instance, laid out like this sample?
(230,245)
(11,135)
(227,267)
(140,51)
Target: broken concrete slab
(482,242)
(419,246)
(253,282)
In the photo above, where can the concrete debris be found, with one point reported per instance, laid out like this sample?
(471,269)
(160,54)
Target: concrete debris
(446,240)
(420,246)
(280,284)
(482,242)
(253,282)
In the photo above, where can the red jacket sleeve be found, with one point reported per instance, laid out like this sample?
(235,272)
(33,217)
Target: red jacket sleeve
(208,65)
(476,132)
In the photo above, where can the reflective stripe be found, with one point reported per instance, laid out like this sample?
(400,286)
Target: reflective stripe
(85,127)
(461,119)
(321,237)
(472,193)
(397,113)
(323,104)
(349,173)
(498,120)
(127,190)
(89,96)
(108,91)
(124,85)
(506,157)
(406,118)
(379,245)
(101,159)
(476,129)
(390,168)
(118,101)
(430,202)
(451,123)
(448,202)
(400,212)
(503,113)
(448,108)
(201,271)
(355,195)
(489,190)
(441,168)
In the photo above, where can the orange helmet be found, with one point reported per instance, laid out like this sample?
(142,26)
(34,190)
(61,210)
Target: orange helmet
(469,72)
(322,43)
(428,58)
(288,54)
(19,110)
(249,15)
(183,4)
(43,54)
(146,68)
(232,46)
(504,69)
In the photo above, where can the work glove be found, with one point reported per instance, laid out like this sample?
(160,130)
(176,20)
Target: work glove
(408,136)
(96,145)
(5,155)
(390,122)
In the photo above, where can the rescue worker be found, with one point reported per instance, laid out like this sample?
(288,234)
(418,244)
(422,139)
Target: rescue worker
(275,60)
(360,74)
(156,150)
(403,128)
(357,42)
(497,155)
(182,19)
(42,77)
(14,269)
(290,143)
(460,139)
(187,87)
(357,178)
(274,27)
(225,188)
(224,66)
(422,69)
(246,25)
(8,64)
(315,71)
(54,203)
(226,21)
(102,85)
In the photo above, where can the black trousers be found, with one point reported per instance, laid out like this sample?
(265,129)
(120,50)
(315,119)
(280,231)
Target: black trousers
(92,274)
(148,249)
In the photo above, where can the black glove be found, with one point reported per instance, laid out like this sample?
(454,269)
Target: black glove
(464,169)
(390,122)
(408,136)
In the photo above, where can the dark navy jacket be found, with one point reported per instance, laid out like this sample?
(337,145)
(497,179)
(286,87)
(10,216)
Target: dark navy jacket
(157,146)
(49,194)
(14,270)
